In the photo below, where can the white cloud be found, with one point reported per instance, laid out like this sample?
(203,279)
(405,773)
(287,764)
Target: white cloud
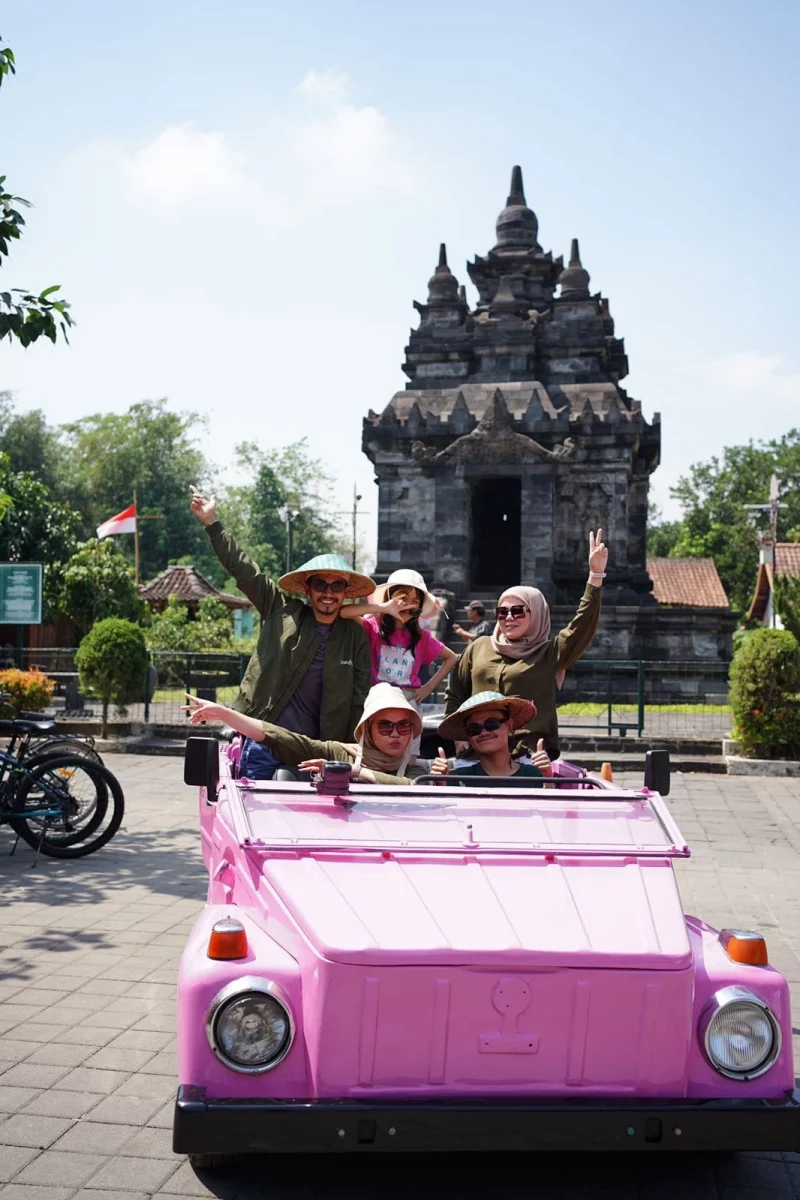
(756,373)
(347,148)
(183,165)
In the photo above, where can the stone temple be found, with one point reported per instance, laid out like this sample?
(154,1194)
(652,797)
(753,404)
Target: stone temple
(514,437)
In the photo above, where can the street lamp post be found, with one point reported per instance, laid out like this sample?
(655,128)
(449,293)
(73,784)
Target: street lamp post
(288,516)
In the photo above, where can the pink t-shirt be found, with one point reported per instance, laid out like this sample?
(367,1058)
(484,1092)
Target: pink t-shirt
(396,663)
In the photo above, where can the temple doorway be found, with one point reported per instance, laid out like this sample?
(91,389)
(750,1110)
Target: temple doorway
(495,544)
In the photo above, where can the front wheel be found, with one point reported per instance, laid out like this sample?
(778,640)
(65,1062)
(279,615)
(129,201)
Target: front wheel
(210,1162)
(68,805)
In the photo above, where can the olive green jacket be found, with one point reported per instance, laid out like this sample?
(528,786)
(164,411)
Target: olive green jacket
(482,669)
(287,643)
(294,748)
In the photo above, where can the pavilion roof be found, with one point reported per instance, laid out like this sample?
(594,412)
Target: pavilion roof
(692,582)
(189,586)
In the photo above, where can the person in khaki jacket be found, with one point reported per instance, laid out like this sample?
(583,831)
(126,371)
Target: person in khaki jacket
(522,659)
(310,671)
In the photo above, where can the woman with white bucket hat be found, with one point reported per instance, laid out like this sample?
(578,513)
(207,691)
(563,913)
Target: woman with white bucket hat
(398,646)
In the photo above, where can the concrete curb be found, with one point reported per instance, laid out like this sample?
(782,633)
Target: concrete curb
(781,767)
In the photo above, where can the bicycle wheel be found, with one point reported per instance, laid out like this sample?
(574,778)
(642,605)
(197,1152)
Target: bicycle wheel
(68,805)
(60,744)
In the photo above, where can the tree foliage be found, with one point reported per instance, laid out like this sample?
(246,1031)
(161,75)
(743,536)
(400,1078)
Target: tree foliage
(176,628)
(98,582)
(25,315)
(787,602)
(715,522)
(112,663)
(35,527)
(765,694)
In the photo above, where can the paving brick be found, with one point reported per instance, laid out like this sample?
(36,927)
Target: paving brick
(58,1168)
(95,1137)
(126,1110)
(31,1075)
(141,1039)
(155,1087)
(83,1035)
(23,1129)
(147,1174)
(163,1063)
(12,1099)
(84,1079)
(59,1054)
(163,1119)
(31,1191)
(100,1194)
(188,1182)
(13,1159)
(36,1031)
(149,1142)
(121,1058)
(13,1050)
(55,1103)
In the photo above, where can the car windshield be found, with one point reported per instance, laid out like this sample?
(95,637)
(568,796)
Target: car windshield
(489,819)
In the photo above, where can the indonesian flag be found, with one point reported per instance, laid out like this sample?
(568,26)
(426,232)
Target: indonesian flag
(124,522)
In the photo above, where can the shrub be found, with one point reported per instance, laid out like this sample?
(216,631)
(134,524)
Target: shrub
(765,694)
(28,689)
(112,661)
(175,628)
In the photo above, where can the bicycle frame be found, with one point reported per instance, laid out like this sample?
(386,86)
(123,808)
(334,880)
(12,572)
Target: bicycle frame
(9,764)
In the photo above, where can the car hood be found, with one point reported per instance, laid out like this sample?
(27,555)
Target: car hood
(566,911)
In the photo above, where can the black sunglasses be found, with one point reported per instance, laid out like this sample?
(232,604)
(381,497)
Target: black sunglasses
(387,727)
(516,611)
(337,586)
(490,725)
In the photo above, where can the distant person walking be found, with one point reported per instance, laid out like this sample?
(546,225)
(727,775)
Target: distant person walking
(522,659)
(480,625)
(310,671)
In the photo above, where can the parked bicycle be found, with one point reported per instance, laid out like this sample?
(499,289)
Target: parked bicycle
(32,735)
(63,805)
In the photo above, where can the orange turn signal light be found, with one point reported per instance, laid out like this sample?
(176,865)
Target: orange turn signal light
(606,772)
(744,946)
(228,939)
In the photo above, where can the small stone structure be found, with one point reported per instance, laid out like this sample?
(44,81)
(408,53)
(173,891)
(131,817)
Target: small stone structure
(514,438)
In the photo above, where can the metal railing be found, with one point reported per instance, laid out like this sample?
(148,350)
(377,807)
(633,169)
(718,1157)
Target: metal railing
(618,697)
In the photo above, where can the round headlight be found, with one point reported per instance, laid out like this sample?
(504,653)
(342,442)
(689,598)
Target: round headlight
(741,1036)
(249,1025)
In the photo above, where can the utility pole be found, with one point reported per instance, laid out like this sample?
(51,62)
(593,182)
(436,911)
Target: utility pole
(773,507)
(288,516)
(356,499)
(136,534)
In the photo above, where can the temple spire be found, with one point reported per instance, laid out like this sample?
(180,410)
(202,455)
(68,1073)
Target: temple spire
(517,226)
(517,192)
(442,256)
(442,285)
(574,279)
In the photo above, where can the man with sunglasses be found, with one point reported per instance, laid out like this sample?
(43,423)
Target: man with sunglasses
(310,671)
(486,721)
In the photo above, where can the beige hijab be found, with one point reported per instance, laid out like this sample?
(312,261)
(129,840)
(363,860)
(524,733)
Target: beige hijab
(380,697)
(537,633)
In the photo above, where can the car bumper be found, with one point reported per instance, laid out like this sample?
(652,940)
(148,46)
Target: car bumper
(205,1126)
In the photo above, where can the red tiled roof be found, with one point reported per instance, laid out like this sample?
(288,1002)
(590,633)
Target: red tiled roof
(787,558)
(189,586)
(688,581)
(787,562)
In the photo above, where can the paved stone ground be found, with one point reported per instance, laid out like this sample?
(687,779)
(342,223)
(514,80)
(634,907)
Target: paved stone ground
(87,1048)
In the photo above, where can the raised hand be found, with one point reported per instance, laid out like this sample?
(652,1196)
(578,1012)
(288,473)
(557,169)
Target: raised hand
(440,765)
(201,711)
(204,509)
(395,606)
(541,759)
(314,765)
(598,553)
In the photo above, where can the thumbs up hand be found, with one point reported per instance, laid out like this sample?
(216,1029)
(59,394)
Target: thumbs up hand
(541,759)
(440,765)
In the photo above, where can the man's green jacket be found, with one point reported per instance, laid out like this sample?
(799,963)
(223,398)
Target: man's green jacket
(287,643)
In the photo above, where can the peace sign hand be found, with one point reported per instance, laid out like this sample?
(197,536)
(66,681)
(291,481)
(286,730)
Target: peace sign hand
(204,509)
(598,553)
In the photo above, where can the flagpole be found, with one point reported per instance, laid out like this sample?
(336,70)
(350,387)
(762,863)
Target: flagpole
(136,536)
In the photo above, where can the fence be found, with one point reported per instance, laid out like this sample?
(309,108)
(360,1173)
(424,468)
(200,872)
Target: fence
(622,697)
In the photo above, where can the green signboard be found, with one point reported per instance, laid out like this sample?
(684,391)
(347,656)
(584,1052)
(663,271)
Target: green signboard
(20,593)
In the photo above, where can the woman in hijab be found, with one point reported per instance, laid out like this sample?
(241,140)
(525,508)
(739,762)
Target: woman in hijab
(522,659)
(380,753)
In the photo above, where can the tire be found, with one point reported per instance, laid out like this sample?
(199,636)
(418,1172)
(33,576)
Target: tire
(93,806)
(60,746)
(210,1162)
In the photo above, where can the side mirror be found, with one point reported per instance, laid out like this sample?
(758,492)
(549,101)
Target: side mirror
(335,780)
(656,771)
(201,764)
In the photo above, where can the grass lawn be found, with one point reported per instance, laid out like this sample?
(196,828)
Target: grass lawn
(597,710)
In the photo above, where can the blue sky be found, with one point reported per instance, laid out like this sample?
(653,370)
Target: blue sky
(242,200)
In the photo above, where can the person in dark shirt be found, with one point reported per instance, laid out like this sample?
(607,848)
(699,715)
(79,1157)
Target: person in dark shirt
(487,721)
(479,625)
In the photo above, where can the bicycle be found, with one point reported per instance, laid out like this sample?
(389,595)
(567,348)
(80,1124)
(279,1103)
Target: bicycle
(64,806)
(31,736)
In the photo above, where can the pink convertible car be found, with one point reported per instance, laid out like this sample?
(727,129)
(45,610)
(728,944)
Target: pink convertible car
(442,967)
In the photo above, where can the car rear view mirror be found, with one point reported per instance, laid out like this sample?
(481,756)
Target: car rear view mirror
(201,764)
(656,771)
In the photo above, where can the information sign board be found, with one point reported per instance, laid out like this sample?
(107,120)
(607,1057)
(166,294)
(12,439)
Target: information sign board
(20,593)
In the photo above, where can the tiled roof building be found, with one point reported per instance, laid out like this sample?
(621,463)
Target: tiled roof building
(786,559)
(689,581)
(189,586)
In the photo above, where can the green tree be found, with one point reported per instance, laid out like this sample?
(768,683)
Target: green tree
(283,478)
(23,314)
(152,450)
(36,528)
(176,628)
(98,582)
(170,629)
(765,694)
(716,523)
(31,444)
(787,602)
(112,663)
(661,535)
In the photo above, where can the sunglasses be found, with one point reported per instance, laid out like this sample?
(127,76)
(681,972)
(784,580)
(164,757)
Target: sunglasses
(337,586)
(387,727)
(516,611)
(490,725)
